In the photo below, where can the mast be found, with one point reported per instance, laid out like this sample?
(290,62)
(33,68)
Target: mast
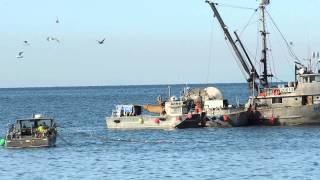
(265,75)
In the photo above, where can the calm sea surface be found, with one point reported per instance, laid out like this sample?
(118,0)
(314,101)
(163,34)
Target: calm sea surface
(90,151)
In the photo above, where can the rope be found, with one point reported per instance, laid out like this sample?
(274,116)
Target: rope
(273,69)
(236,59)
(248,23)
(65,141)
(210,52)
(234,6)
(293,55)
(279,80)
(290,63)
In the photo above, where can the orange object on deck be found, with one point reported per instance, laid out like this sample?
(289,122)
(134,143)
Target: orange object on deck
(276,91)
(153,108)
(225,118)
(262,94)
(197,108)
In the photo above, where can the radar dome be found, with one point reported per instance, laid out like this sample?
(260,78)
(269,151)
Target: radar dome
(214,93)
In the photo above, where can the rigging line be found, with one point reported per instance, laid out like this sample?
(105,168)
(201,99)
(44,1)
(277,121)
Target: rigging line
(279,80)
(234,6)
(273,69)
(234,56)
(249,22)
(243,29)
(290,63)
(293,55)
(210,52)
(257,46)
(238,63)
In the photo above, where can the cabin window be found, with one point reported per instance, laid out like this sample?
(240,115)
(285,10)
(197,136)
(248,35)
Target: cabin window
(176,110)
(312,79)
(276,100)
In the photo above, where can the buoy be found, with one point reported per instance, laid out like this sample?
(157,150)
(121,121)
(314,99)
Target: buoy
(157,120)
(189,116)
(271,120)
(2,142)
(141,121)
(276,91)
(225,117)
(262,94)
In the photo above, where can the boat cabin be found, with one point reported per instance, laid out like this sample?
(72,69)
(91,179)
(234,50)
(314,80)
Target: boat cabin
(308,78)
(28,127)
(175,108)
(34,132)
(305,91)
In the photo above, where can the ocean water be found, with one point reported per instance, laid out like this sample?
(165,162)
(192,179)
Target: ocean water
(88,150)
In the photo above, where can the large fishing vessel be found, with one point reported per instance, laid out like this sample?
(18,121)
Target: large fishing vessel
(293,103)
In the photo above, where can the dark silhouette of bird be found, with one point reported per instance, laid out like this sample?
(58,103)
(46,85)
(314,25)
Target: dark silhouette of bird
(20,55)
(102,41)
(53,39)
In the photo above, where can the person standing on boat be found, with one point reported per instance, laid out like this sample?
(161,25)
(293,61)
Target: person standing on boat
(40,131)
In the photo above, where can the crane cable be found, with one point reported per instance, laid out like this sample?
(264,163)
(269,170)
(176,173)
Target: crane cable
(210,52)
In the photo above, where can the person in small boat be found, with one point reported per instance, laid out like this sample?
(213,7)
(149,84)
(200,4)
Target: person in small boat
(41,130)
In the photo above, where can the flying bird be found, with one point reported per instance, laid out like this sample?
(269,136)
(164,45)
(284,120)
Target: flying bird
(53,39)
(102,41)
(20,55)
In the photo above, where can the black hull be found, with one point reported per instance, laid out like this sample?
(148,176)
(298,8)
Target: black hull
(197,121)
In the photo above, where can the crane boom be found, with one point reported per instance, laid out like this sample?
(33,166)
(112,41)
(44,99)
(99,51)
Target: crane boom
(250,70)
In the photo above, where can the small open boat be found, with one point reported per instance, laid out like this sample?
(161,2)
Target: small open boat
(37,131)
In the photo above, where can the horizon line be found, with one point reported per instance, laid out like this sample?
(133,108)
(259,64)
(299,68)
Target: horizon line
(84,86)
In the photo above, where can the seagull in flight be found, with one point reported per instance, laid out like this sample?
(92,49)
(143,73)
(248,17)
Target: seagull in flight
(102,41)
(53,39)
(20,55)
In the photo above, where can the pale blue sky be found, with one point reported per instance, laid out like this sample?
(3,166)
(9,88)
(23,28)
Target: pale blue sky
(148,42)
